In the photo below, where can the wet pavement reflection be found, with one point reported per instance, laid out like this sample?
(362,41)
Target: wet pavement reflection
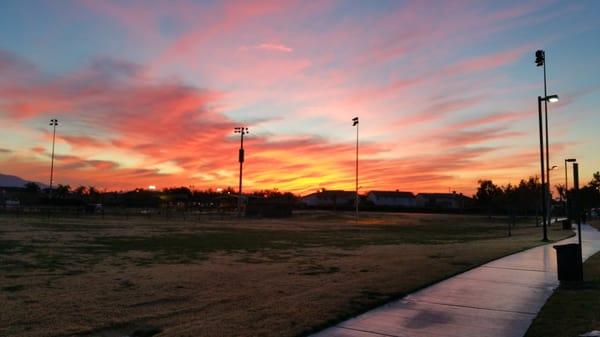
(500,298)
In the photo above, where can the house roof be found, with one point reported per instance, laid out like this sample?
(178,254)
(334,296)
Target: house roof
(443,195)
(393,194)
(332,193)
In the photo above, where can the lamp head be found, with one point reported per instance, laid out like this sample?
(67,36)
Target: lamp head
(540,58)
(550,98)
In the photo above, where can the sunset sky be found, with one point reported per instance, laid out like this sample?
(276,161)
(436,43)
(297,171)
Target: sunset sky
(148,92)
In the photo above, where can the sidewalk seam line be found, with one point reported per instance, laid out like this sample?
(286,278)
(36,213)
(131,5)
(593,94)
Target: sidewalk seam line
(471,307)
(521,269)
(367,331)
(510,283)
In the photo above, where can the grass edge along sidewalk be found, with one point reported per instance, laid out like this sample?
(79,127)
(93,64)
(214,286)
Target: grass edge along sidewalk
(575,310)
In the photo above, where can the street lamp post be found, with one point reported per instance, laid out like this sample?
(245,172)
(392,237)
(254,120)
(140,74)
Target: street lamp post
(577,203)
(570,160)
(355,123)
(540,61)
(242,131)
(543,171)
(54,124)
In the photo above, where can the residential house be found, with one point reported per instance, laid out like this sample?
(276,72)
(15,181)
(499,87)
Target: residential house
(442,200)
(326,198)
(391,198)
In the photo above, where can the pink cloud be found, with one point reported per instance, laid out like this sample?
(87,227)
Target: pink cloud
(275,47)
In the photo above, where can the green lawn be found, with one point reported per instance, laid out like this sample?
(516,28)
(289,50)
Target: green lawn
(574,310)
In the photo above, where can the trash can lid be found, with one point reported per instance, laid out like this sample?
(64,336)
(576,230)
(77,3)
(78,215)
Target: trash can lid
(567,245)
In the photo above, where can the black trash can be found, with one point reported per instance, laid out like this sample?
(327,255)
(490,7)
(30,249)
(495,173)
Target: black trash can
(566,224)
(570,267)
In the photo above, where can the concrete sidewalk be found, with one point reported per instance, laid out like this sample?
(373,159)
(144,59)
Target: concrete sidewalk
(499,298)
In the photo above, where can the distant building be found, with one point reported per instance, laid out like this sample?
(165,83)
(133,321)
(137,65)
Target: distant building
(333,198)
(392,198)
(442,200)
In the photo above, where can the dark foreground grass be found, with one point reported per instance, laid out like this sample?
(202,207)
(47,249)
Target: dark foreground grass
(574,310)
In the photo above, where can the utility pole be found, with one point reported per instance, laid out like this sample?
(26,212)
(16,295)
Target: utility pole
(242,131)
(53,123)
(355,123)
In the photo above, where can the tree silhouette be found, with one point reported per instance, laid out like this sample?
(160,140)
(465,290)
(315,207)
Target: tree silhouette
(32,188)
(562,191)
(81,192)
(488,195)
(62,191)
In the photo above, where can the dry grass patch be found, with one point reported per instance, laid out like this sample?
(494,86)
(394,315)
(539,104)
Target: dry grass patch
(226,277)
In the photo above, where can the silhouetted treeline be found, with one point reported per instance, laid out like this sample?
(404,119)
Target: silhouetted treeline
(177,197)
(525,197)
(521,199)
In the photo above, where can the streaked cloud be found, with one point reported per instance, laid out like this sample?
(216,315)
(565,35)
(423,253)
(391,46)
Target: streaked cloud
(274,47)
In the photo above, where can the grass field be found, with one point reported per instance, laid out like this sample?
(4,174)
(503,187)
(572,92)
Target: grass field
(230,277)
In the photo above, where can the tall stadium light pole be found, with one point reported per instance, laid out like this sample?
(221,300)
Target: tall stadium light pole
(242,131)
(543,171)
(570,160)
(53,124)
(355,123)
(540,61)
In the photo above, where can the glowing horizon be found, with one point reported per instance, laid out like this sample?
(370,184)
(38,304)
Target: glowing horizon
(149,93)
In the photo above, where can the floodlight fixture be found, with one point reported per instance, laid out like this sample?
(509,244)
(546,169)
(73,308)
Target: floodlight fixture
(540,58)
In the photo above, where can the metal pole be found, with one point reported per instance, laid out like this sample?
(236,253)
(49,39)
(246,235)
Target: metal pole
(566,179)
(577,200)
(549,190)
(241,160)
(53,122)
(578,211)
(542,170)
(356,182)
(567,194)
